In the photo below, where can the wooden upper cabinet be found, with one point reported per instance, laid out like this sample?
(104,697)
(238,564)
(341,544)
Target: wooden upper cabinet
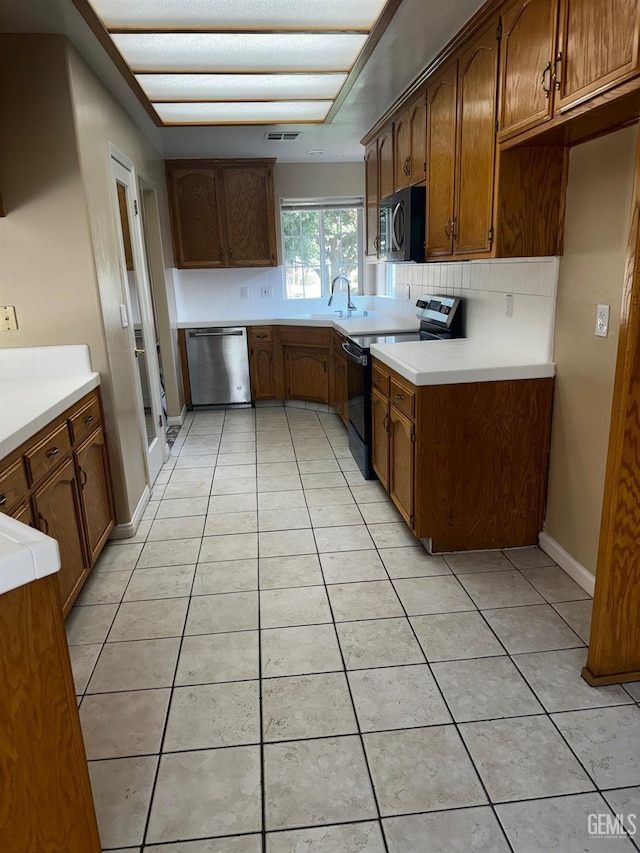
(476,149)
(371,197)
(194,197)
(597,47)
(386,172)
(222,213)
(410,137)
(441,159)
(526,65)
(249,216)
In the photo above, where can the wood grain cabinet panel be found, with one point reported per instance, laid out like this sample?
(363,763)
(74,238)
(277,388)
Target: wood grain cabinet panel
(386,163)
(24,514)
(410,138)
(597,48)
(13,485)
(526,65)
(58,513)
(402,152)
(306,374)
(262,369)
(338,387)
(402,464)
(92,465)
(222,213)
(477,92)
(380,436)
(371,197)
(46,804)
(441,160)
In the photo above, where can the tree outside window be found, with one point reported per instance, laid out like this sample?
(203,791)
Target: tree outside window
(320,243)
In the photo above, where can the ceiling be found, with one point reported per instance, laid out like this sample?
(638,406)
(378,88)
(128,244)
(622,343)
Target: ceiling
(416,33)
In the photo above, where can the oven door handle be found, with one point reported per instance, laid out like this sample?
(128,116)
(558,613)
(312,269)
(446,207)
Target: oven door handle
(354,354)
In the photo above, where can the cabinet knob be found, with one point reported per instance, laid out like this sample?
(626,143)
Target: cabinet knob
(399,396)
(261,336)
(53,452)
(3,500)
(88,419)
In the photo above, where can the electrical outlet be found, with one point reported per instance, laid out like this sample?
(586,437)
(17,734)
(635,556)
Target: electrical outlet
(8,321)
(266,291)
(508,310)
(244,293)
(602,321)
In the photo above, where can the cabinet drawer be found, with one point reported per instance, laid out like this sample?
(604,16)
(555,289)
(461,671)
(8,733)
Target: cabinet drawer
(306,336)
(13,485)
(261,333)
(46,454)
(403,399)
(85,420)
(380,380)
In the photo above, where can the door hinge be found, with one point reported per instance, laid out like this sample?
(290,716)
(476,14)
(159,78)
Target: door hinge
(499,31)
(135,207)
(491,235)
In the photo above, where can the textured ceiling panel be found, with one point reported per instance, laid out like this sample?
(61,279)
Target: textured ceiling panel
(274,112)
(240,87)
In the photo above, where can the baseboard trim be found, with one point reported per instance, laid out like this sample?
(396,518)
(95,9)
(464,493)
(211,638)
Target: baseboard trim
(126,531)
(179,420)
(571,566)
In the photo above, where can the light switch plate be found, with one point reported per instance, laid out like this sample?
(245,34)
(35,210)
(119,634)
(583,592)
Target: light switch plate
(602,321)
(244,293)
(266,291)
(8,321)
(508,310)
(124,319)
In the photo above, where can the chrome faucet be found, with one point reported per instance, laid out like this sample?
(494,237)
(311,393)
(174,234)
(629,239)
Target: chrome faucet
(350,306)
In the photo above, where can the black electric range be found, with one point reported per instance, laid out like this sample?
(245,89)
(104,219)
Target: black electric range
(441,318)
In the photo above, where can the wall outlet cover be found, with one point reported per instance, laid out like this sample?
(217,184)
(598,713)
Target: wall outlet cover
(267,291)
(508,311)
(244,292)
(8,320)
(602,321)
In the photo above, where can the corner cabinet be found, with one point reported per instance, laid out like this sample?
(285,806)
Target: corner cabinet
(465,464)
(59,482)
(222,213)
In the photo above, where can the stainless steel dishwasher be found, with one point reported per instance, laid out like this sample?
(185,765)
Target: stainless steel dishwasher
(218,361)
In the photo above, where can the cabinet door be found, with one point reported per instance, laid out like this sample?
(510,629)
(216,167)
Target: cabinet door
(306,374)
(339,389)
(386,174)
(402,152)
(371,194)
(58,513)
(476,150)
(262,371)
(380,436)
(95,492)
(418,132)
(526,63)
(249,216)
(401,463)
(441,154)
(195,217)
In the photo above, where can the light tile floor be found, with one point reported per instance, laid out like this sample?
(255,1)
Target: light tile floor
(274,664)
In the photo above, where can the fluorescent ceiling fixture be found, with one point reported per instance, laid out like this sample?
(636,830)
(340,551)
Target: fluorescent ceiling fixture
(240,87)
(239,51)
(245,15)
(275,112)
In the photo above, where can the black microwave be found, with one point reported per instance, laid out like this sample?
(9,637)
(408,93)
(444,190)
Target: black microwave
(401,229)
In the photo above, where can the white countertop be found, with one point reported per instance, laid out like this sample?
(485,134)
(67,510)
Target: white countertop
(25,554)
(36,385)
(458,361)
(373,323)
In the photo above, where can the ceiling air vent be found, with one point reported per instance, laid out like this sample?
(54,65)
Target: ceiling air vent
(287,136)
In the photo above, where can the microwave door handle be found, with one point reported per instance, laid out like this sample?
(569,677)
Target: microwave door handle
(394,243)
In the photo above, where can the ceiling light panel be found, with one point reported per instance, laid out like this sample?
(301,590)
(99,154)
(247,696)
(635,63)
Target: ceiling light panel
(245,52)
(275,112)
(246,15)
(240,87)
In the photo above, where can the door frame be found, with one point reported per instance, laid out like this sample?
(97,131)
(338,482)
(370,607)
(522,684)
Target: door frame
(123,171)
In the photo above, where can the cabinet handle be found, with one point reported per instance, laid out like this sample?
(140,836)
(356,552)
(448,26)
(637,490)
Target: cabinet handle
(376,243)
(546,88)
(385,423)
(88,419)
(82,473)
(230,250)
(406,168)
(3,500)
(399,396)
(53,452)
(262,336)
(377,379)
(557,67)
(447,229)
(45,522)
(454,232)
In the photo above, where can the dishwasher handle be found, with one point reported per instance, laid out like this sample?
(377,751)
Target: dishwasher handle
(217,333)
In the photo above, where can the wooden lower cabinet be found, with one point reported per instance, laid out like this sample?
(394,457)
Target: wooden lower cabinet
(262,369)
(402,464)
(58,513)
(306,374)
(338,395)
(46,802)
(380,436)
(466,465)
(92,465)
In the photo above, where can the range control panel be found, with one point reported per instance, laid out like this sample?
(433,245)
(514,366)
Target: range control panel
(438,309)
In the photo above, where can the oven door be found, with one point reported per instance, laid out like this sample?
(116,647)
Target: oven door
(358,390)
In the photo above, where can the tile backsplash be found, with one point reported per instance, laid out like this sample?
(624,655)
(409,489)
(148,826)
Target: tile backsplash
(484,285)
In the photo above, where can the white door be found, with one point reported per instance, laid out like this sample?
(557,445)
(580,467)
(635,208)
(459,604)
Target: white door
(139,314)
